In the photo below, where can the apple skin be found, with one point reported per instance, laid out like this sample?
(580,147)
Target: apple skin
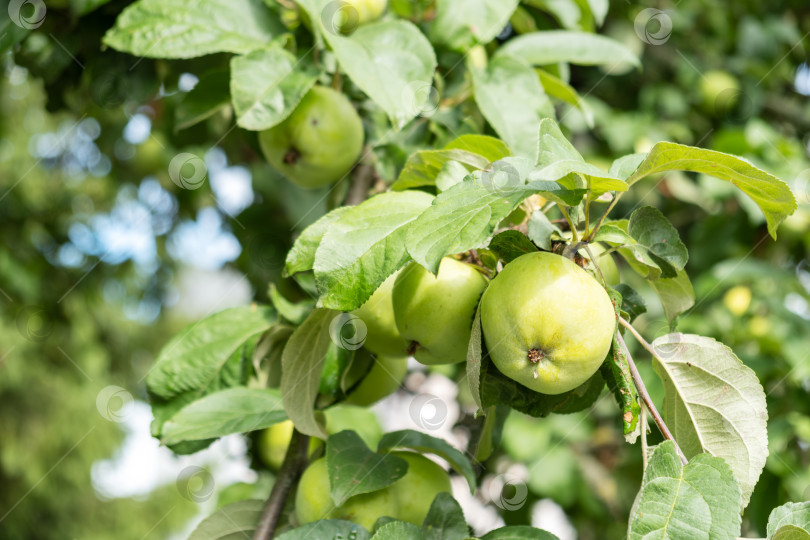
(720,91)
(319,142)
(546,303)
(367,11)
(312,500)
(415,491)
(434,314)
(382,336)
(606,263)
(385,376)
(273,443)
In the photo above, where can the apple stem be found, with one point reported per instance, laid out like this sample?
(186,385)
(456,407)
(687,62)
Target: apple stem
(645,396)
(291,467)
(640,339)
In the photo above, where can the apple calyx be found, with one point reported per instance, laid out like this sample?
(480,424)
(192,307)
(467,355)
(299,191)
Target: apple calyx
(292,155)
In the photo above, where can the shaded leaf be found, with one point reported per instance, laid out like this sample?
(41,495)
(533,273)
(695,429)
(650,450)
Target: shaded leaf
(232,522)
(301,256)
(790,521)
(676,295)
(326,528)
(445,520)
(209,95)
(510,245)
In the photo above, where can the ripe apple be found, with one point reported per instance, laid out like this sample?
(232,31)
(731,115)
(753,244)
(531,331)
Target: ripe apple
(385,376)
(382,336)
(434,313)
(312,500)
(547,323)
(319,142)
(415,491)
(273,443)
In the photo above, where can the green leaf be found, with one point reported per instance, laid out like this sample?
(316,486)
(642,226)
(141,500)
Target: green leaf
(497,388)
(210,94)
(553,145)
(234,410)
(513,101)
(790,521)
(632,302)
(301,364)
(553,46)
(615,234)
(354,469)
(187,28)
(624,166)
(445,520)
(772,195)
(365,246)
(519,532)
(231,522)
(464,216)
(295,312)
(699,500)
(326,528)
(451,173)
(541,230)
(714,403)
(616,373)
(425,443)
(461,24)
(558,88)
(491,148)
(510,245)
(651,229)
(392,62)
(424,166)
(475,355)
(397,530)
(12,33)
(194,358)
(301,256)
(676,294)
(266,85)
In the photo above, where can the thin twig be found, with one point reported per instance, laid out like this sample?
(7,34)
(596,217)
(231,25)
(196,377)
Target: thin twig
(574,234)
(294,462)
(640,339)
(362,180)
(596,264)
(643,421)
(602,219)
(645,396)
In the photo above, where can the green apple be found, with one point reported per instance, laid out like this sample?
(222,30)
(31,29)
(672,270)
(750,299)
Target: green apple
(382,336)
(319,142)
(606,263)
(434,313)
(354,13)
(385,376)
(360,419)
(720,91)
(547,323)
(415,491)
(312,500)
(273,443)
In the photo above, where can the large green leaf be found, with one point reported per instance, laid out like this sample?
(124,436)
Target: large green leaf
(464,216)
(301,256)
(266,85)
(699,500)
(424,166)
(234,410)
(513,101)
(397,530)
(232,522)
(392,62)
(326,528)
(354,469)
(790,521)
(301,364)
(519,532)
(664,248)
(460,24)
(772,195)
(553,46)
(714,403)
(445,520)
(193,360)
(189,28)
(425,443)
(365,246)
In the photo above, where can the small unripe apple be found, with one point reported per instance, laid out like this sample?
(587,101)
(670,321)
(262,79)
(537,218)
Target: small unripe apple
(273,443)
(547,323)
(382,336)
(415,491)
(606,263)
(434,313)
(385,376)
(319,142)
(720,91)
